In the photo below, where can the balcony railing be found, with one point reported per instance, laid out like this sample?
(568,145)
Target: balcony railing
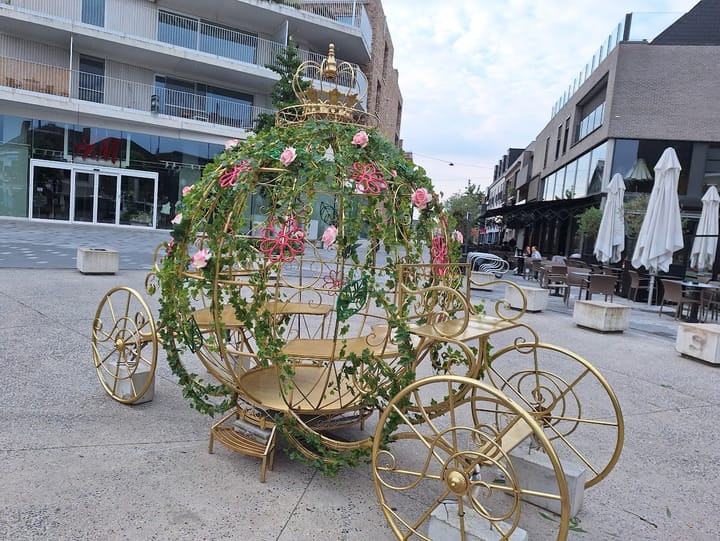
(191,33)
(46,79)
(194,34)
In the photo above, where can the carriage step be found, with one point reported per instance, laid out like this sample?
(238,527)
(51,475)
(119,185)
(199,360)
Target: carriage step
(246,438)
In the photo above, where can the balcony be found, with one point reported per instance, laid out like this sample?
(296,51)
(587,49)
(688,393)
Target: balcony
(22,76)
(221,53)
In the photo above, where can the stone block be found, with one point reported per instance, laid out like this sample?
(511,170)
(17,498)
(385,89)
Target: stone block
(444,525)
(602,316)
(536,298)
(699,340)
(535,473)
(124,381)
(97,261)
(479,280)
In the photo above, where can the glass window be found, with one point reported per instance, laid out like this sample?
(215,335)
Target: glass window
(582,175)
(569,188)
(229,108)
(177,30)
(625,152)
(559,184)
(93,12)
(597,168)
(91,82)
(549,187)
(228,43)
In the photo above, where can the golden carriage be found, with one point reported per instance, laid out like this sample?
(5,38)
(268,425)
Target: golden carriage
(363,347)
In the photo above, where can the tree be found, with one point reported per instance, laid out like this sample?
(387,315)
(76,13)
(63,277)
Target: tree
(282,94)
(465,207)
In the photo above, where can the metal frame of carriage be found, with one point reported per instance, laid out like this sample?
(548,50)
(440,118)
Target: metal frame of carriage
(453,389)
(464,415)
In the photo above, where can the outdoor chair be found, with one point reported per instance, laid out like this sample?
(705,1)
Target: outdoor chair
(673,294)
(603,284)
(710,302)
(574,279)
(554,279)
(637,283)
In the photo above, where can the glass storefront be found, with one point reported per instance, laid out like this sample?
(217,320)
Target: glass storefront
(52,171)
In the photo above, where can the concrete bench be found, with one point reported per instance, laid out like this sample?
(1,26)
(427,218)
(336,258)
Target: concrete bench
(479,280)
(602,316)
(536,298)
(97,261)
(699,340)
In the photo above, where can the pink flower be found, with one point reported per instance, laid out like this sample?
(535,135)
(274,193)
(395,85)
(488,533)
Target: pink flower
(288,156)
(230,178)
(457,236)
(282,241)
(393,173)
(439,255)
(368,179)
(170,246)
(230,143)
(187,189)
(177,219)
(329,235)
(360,139)
(420,198)
(199,260)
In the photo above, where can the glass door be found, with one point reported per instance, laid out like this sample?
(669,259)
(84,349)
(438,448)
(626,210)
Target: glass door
(107,199)
(83,190)
(50,195)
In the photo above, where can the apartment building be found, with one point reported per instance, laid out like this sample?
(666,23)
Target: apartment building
(653,83)
(108,108)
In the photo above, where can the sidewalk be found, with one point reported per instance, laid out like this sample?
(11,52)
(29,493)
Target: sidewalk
(77,465)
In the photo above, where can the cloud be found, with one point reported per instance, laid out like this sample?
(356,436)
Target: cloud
(480,77)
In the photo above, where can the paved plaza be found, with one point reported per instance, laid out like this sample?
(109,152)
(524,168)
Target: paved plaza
(75,464)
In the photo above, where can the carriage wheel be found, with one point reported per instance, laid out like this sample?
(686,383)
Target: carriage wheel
(124,345)
(571,400)
(455,467)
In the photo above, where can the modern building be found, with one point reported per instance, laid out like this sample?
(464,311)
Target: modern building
(653,84)
(108,108)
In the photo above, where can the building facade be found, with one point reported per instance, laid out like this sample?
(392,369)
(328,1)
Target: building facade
(108,108)
(639,95)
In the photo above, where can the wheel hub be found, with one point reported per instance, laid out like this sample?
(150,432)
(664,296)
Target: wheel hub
(457,482)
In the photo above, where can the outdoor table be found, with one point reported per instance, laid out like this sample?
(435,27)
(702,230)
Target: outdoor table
(696,287)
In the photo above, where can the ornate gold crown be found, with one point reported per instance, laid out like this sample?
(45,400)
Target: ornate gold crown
(333,93)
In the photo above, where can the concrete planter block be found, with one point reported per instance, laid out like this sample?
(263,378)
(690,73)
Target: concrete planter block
(699,340)
(535,473)
(97,261)
(536,298)
(125,381)
(445,526)
(602,316)
(479,280)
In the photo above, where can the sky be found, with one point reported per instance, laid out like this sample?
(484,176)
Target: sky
(481,76)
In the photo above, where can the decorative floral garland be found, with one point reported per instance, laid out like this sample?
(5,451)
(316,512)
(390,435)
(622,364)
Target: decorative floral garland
(376,194)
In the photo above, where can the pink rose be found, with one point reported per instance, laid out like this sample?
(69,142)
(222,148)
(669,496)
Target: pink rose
(288,156)
(393,173)
(230,143)
(457,236)
(170,246)
(420,198)
(329,235)
(186,190)
(199,260)
(360,139)
(177,219)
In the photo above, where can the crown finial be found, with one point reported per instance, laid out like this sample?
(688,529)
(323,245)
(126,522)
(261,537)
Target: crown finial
(327,90)
(330,65)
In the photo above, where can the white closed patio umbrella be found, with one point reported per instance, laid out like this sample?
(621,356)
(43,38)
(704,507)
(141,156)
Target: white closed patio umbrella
(661,231)
(704,246)
(610,240)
